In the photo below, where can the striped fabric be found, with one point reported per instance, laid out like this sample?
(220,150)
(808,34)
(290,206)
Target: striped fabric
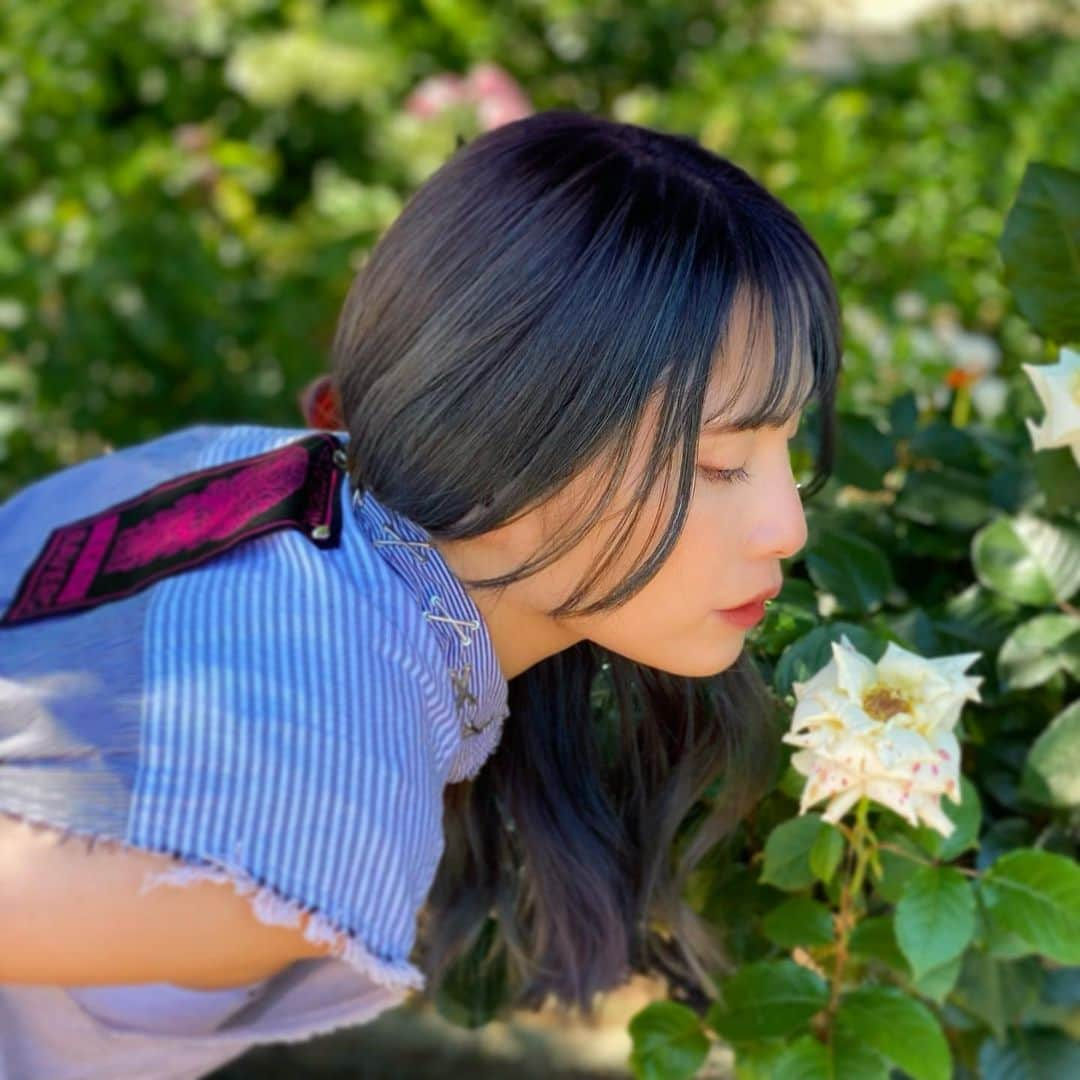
(282,716)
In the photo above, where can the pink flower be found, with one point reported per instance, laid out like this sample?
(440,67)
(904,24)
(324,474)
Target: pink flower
(436,93)
(493,93)
(498,97)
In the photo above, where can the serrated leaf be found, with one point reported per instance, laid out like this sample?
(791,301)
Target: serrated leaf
(1036,896)
(899,1028)
(935,918)
(767,1000)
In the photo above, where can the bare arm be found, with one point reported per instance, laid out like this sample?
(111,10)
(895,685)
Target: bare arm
(70,916)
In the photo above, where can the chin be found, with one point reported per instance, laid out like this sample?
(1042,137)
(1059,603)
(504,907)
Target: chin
(705,667)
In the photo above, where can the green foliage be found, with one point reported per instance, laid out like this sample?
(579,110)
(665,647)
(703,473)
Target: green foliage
(668,1042)
(1042,262)
(941,534)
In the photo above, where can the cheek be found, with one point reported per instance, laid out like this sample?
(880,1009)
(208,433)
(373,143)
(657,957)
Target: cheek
(690,582)
(700,560)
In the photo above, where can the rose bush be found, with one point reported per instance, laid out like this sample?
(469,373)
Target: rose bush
(939,933)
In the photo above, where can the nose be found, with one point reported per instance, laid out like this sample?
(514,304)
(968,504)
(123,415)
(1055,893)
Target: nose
(801,533)
(782,525)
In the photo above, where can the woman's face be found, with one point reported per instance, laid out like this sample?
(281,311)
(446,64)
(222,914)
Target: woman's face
(735,535)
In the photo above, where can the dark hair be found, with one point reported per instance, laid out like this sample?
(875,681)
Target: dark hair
(510,325)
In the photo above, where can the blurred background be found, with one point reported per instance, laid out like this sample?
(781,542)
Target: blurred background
(188,186)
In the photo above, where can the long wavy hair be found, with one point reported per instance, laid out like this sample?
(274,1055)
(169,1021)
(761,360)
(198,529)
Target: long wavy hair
(509,328)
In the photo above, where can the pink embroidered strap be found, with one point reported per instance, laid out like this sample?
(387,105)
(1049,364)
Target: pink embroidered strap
(182,523)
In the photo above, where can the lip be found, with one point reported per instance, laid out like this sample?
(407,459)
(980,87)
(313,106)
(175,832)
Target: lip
(753,611)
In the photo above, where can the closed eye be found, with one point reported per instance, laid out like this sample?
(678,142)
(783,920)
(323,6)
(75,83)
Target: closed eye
(725,476)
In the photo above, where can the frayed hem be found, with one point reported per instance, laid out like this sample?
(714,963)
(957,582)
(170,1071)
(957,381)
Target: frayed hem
(274,909)
(474,750)
(269,905)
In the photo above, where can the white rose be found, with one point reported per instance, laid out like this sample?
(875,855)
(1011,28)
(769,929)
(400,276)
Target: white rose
(882,730)
(989,396)
(975,354)
(1058,387)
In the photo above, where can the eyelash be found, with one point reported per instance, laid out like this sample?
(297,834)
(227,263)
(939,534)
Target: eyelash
(728,476)
(725,476)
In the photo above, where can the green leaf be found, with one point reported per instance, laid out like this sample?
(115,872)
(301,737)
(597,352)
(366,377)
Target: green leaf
(997,940)
(1055,471)
(786,620)
(914,630)
(668,1042)
(767,1000)
(899,1028)
(1030,1054)
(1004,834)
(758,1061)
(874,937)
(1036,895)
(941,443)
(897,870)
(959,501)
(855,1059)
(826,852)
(938,982)
(804,1059)
(1038,649)
(1027,559)
(978,617)
(945,498)
(798,920)
(1040,247)
(1051,773)
(904,415)
(935,918)
(854,570)
(844,1059)
(966,817)
(997,990)
(787,852)
(864,453)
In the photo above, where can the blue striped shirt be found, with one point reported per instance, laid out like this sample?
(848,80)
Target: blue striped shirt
(282,715)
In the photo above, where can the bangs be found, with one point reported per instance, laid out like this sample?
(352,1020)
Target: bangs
(765,387)
(761,387)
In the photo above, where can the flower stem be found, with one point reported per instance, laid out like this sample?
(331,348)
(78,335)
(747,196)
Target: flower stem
(961,410)
(863,843)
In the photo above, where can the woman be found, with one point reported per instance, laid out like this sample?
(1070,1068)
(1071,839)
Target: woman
(380,708)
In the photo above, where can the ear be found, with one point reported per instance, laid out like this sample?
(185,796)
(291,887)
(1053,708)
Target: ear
(320,405)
